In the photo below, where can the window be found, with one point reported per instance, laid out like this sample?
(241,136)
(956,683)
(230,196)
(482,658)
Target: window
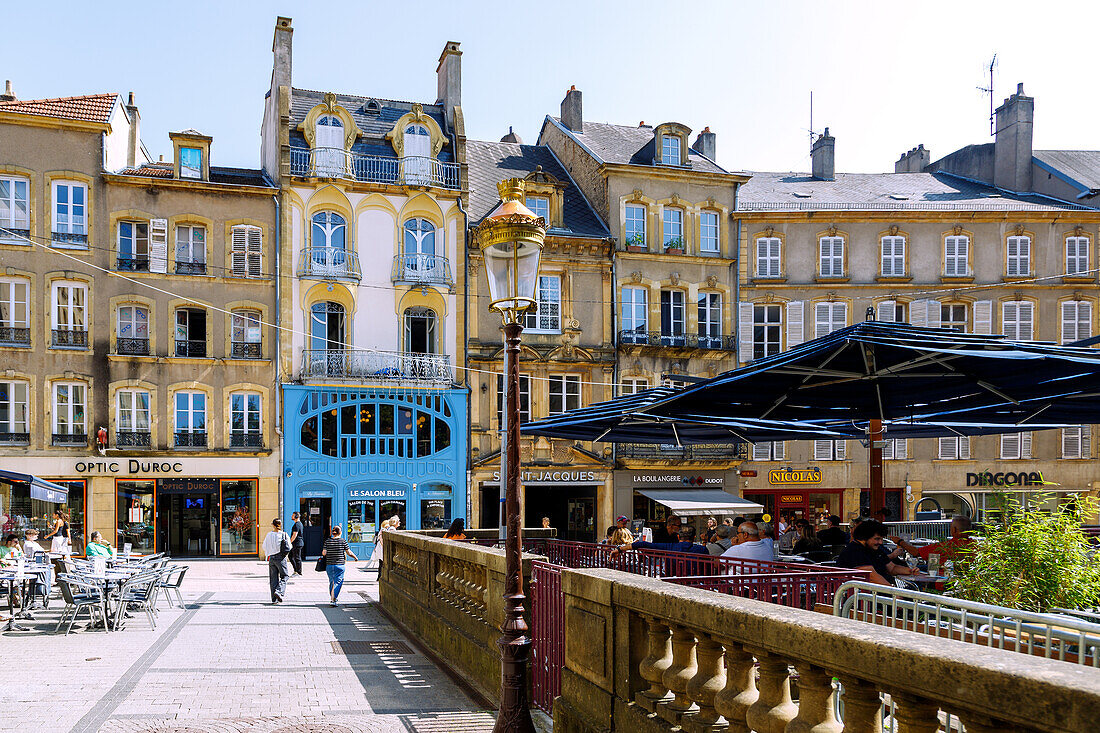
(69,212)
(673,228)
(132,418)
(420,331)
(190,163)
(1077,442)
(13,413)
(1077,255)
(891,311)
(896,449)
(634,386)
(767,324)
(69,315)
(244,427)
(893,256)
(14,313)
(545,315)
(1019,256)
(420,259)
(829,450)
(1076,320)
(831,256)
(540,206)
(418,152)
(190,420)
(1015,445)
(634,231)
(955,448)
(1017,322)
(710,320)
(565,393)
(953,316)
(133,246)
(247,251)
(768,257)
(956,256)
(132,330)
(708,232)
(190,250)
(524,399)
(635,315)
(329,156)
(245,335)
(191,332)
(770,451)
(327,326)
(14,207)
(670,149)
(672,317)
(69,399)
(829,317)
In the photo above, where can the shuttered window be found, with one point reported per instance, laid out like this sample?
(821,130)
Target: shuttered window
(1076,320)
(1077,255)
(893,256)
(896,449)
(1077,441)
(768,257)
(1016,445)
(772,451)
(956,256)
(831,256)
(891,311)
(956,447)
(247,251)
(1017,320)
(829,317)
(830,450)
(1019,256)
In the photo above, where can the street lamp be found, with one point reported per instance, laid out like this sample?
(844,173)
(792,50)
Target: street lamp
(510,240)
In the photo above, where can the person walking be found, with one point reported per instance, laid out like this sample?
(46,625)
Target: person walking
(60,539)
(297,543)
(335,552)
(276,547)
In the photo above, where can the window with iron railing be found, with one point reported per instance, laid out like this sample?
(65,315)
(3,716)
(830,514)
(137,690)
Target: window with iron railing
(133,246)
(190,332)
(246,335)
(69,401)
(14,210)
(69,315)
(14,313)
(14,417)
(70,202)
(245,428)
(190,250)
(190,419)
(132,336)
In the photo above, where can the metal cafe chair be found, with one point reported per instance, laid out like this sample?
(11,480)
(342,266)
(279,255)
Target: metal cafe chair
(87,596)
(171,583)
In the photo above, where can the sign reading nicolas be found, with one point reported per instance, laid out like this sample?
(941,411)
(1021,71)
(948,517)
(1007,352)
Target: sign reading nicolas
(794,476)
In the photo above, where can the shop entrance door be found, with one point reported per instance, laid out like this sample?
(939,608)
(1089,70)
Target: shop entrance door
(189,524)
(316,516)
(572,510)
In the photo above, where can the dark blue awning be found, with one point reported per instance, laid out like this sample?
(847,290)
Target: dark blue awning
(41,489)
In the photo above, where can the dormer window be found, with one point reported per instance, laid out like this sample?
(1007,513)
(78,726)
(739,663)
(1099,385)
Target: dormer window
(539,206)
(670,149)
(191,163)
(373,108)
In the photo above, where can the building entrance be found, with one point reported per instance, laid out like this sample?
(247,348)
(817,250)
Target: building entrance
(189,524)
(572,510)
(316,515)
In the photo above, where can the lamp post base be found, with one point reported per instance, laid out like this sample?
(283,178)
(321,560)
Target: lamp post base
(514,715)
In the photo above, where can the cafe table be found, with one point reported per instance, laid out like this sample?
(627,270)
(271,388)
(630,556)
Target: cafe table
(926,582)
(32,572)
(111,578)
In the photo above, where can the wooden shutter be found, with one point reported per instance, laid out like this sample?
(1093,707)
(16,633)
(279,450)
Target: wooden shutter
(823,450)
(239,247)
(932,318)
(255,252)
(1013,256)
(795,328)
(841,450)
(1086,441)
(949,448)
(918,313)
(1025,445)
(762,266)
(745,335)
(964,447)
(761,451)
(774,257)
(780,451)
(1010,445)
(1026,321)
(158,245)
(983,317)
(1071,442)
(887,311)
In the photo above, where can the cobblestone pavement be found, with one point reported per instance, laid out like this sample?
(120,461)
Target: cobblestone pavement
(230,661)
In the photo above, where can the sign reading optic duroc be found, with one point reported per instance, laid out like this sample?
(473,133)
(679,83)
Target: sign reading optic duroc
(794,476)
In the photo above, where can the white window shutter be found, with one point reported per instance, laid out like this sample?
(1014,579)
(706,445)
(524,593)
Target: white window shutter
(1086,441)
(841,450)
(239,247)
(1071,442)
(761,451)
(932,320)
(948,448)
(745,339)
(918,313)
(983,317)
(1027,321)
(1010,445)
(887,311)
(1025,445)
(158,245)
(1084,320)
(823,450)
(1069,321)
(795,328)
(901,449)
(964,447)
(774,257)
(255,252)
(780,450)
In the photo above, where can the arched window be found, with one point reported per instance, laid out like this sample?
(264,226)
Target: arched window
(420,246)
(418,154)
(420,331)
(328,253)
(352,424)
(327,326)
(329,144)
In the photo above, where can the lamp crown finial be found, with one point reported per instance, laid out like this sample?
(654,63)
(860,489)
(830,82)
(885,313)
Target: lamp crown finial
(511,189)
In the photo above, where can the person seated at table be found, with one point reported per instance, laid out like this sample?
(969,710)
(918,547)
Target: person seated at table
(749,545)
(791,535)
(98,547)
(670,532)
(10,551)
(620,534)
(685,543)
(807,539)
(834,534)
(950,549)
(864,552)
(723,540)
(30,543)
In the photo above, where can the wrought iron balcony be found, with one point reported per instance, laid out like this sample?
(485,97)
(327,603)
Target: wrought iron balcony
(70,238)
(407,171)
(422,269)
(326,263)
(187,439)
(132,346)
(132,264)
(190,268)
(70,438)
(246,350)
(372,366)
(657,339)
(11,336)
(239,439)
(190,348)
(658,452)
(15,438)
(133,439)
(19,236)
(70,339)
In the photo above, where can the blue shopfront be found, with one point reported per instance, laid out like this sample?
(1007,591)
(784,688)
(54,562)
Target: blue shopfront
(356,458)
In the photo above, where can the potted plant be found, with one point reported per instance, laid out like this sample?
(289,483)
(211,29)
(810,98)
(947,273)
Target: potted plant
(636,243)
(674,246)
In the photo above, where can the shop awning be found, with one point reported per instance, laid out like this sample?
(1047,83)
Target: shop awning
(695,503)
(41,489)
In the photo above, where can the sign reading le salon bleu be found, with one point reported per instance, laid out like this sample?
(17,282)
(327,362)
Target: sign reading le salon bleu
(376,494)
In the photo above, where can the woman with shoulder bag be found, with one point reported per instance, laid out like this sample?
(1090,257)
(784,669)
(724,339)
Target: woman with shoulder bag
(276,547)
(335,555)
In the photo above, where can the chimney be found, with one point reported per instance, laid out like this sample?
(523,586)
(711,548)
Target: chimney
(705,143)
(133,141)
(823,157)
(282,46)
(9,94)
(915,161)
(511,137)
(449,79)
(571,115)
(1012,146)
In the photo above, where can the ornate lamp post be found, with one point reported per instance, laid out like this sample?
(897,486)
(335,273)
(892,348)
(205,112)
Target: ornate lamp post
(510,240)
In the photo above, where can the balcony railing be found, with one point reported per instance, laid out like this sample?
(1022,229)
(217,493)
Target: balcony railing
(422,269)
(70,339)
(678,341)
(17,235)
(190,348)
(70,438)
(187,439)
(132,346)
(11,336)
(659,452)
(246,350)
(69,238)
(133,439)
(132,264)
(8,438)
(334,364)
(246,440)
(328,263)
(407,171)
(190,268)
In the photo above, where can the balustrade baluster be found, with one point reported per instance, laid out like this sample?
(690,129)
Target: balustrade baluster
(708,681)
(862,706)
(740,692)
(914,714)
(816,712)
(774,708)
(652,668)
(984,724)
(677,676)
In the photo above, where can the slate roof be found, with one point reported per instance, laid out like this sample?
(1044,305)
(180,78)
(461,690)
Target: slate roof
(88,107)
(628,144)
(490,163)
(374,126)
(218,174)
(883,192)
(1083,166)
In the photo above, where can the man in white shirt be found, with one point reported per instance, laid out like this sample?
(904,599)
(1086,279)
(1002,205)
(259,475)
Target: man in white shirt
(750,545)
(30,543)
(276,547)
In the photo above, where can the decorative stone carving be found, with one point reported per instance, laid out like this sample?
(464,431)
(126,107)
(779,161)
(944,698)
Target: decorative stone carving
(893,230)
(832,230)
(636,277)
(674,278)
(674,200)
(1019,230)
(740,692)
(957,229)
(712,281)
(774,708)
(769,230)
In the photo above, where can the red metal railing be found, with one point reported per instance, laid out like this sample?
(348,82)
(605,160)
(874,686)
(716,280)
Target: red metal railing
(547,634)
(797,590)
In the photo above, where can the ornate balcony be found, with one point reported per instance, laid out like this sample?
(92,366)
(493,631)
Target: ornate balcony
(246,440)
(7,438)
(19,236)
(246,350)
(70,438)
(11,336)
(190,348)
(186,439)
(407,171)
(70,238)
(326,263)
(132,264)
(70,339)
(422,269)
(133,439)
(371,366)
(656,339)
(190,268)
(132,346)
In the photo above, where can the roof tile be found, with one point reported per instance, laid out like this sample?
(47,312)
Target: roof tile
(628,144)
(89,107)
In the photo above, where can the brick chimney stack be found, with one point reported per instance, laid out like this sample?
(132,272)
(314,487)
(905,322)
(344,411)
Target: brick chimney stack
(1012,147)
(823,157)
(133,139)
(449,79)
(914,161)
(571,115)
(706,143)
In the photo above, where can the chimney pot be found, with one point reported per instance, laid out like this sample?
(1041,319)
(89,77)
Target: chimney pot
(914,161)
(571,110)
(130,99)
(706,143)
(9,93)
(823,157)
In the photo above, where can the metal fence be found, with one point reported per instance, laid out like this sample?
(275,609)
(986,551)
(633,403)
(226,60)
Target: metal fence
(411,170)
(547,634)
(935,529)
(383,367)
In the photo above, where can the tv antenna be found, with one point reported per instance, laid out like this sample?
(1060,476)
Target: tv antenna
(811,128)
(988,91)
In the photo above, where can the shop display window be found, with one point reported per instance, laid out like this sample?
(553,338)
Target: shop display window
(387,509)
(20,512)
(136,513)
(435,513)
(361,524)
(238,517)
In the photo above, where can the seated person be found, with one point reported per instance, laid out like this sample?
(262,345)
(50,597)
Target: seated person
(685,543)
(669,532)
(807,540)
(749,545)
(620,534)
(834,534)
(864,552)
(30,543)
(10,551)
(98,547)
(723,540)
(950,549)
(607,538)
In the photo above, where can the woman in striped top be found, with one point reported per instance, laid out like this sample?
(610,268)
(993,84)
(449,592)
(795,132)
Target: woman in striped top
(335,551)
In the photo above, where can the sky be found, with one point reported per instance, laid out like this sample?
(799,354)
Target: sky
(885,76)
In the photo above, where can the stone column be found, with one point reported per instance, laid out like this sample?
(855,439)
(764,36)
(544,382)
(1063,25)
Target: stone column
(773,709)
(914,714)
(740,692)
(816,712)
(862,706)
(653,667)
(677,676)
(708,681)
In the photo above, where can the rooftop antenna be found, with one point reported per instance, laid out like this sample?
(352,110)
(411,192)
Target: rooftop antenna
(811,128)
(988,91)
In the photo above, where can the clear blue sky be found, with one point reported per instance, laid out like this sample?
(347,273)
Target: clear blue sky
(885,75)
